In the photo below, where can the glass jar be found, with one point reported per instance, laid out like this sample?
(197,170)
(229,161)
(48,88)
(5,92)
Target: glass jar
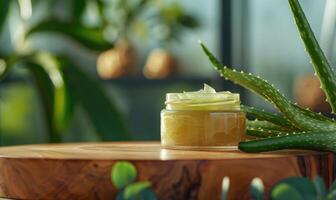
(202,120)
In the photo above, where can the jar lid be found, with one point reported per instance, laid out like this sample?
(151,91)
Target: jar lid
(205,99)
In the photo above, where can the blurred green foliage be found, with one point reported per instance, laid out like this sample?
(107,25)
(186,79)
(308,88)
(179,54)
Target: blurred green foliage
(63,87)
(293,188)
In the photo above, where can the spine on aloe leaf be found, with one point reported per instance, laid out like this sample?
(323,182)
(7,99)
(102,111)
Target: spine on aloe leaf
(266,90)
(264,133)
(321,65)
(320,141)
(255,124)
(315,115)
(273,118)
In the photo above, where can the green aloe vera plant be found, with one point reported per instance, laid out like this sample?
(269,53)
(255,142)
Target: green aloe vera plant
(295,127)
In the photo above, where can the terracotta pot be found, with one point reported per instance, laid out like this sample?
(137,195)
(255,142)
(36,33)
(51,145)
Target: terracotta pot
(309,94)
(160,64)
(117,62)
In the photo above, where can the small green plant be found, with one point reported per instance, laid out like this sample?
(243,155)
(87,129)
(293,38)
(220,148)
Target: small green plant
(295,127)
(295,188)
(123,176)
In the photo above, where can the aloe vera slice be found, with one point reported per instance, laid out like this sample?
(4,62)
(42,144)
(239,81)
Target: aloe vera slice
(263,88)
(321,65)
(320,141)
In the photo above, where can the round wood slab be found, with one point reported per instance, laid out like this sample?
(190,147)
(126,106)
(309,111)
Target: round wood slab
(82,170)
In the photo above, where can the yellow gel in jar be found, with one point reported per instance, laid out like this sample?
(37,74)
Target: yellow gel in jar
(202,119)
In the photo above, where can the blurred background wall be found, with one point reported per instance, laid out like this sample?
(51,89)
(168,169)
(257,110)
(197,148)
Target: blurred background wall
(136,52)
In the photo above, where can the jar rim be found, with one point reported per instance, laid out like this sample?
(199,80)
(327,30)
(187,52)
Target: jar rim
(203,101)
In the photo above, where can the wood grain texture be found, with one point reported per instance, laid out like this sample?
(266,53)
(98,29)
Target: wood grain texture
(82,170)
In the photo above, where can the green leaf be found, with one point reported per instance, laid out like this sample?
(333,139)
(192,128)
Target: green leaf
(136,190)
(266,125)
(302,185)
(319,141)
(101,110)
(55,99)
(331,196)
(257,189)
(148,194)
(55,96)
(297,116)
(285,192)
(4,10)
(321,64)
(123,173)
(320,186)
(312,114)
(78,8)
(188,21)
(4,69)
(264,133)
(332,192)
(333,186)
(6,63)
(62,101)
(263,115)
(92,38)
(265,129)
(120,195)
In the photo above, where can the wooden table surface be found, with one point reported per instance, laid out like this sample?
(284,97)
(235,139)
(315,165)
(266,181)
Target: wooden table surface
(82,170)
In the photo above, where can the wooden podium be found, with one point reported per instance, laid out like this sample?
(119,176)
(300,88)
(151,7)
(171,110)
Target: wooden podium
(82,170)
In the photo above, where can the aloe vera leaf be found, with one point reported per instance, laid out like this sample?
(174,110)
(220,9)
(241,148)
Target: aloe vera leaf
(266,90)
(256,133)
(255,112)
(312,114)
(321,64)
(256,124)
(263,115)
(264,133)
(319,141)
